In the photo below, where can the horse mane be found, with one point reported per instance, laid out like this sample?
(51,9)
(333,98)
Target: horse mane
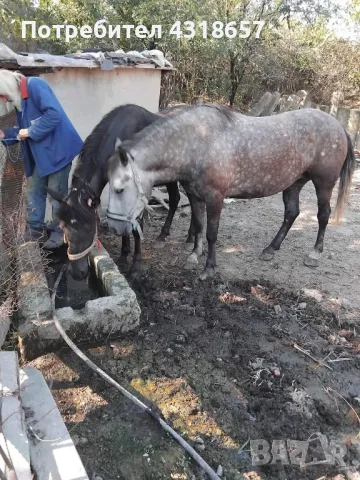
(223,109)
(120,122)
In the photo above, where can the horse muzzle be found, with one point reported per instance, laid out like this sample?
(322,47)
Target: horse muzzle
(120,228)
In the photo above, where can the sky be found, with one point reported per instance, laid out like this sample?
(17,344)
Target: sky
(343,26)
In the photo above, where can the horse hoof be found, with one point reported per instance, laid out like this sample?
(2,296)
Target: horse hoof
(267,255)
(192,259)
(161,238)
(123,261)
(312,260)
(133,275)
(159,245)
(207,273)
(189,247)
(190,239)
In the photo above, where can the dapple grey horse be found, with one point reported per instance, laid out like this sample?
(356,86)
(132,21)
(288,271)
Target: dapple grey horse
(215,153)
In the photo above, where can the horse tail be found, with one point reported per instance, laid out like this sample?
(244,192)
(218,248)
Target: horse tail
(346,176)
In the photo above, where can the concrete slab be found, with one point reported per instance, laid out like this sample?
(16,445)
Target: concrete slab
(115,313)
(52,451)
(13,438)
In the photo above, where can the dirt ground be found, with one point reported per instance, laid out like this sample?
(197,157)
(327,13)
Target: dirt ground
(221,360)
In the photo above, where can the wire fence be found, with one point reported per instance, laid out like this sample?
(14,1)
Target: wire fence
(13,220)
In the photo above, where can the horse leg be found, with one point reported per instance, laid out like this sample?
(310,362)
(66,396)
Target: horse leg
(191,231)
(136,265)
(197,221)
(292,210)
(174,199)
(190,240)
(213,210)
(125,250)
(324,210)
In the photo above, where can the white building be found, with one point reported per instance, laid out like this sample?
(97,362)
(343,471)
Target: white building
(89,85)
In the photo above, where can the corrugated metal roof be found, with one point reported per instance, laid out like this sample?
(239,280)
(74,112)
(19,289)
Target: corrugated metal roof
(84,59)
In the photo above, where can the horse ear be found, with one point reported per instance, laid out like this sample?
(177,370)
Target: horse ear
(123,156)
(57,196)
(121,152)
(95,202)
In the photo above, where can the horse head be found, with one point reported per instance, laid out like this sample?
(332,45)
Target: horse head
(77,218)
(127,194)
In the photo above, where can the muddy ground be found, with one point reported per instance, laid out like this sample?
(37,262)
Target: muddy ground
(221,360)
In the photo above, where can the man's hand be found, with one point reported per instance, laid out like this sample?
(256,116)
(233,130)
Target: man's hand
(2,135)
(23,133)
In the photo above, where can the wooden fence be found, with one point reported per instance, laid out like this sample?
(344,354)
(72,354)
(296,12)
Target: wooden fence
(274,103)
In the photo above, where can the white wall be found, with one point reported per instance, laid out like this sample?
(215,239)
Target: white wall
(88,94)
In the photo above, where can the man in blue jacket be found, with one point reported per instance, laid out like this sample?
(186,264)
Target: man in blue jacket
(49,143)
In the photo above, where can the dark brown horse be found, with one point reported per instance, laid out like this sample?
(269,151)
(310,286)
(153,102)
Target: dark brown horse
(215,153)
(78,211)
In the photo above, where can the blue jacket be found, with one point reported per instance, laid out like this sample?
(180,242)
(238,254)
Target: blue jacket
(53,141)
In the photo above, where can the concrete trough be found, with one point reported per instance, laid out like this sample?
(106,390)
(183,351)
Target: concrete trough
(114,313)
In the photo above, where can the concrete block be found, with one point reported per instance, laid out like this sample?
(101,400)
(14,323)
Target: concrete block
(283,103)
(337,99)
(323,108)
(354,125)
(294,103)
(271,105)
(291,102)
(5,319)
(302,94)
(33,290)
(115,313)
(308,103)
(259,107)
(4,328)
(52,451)
(343,115)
